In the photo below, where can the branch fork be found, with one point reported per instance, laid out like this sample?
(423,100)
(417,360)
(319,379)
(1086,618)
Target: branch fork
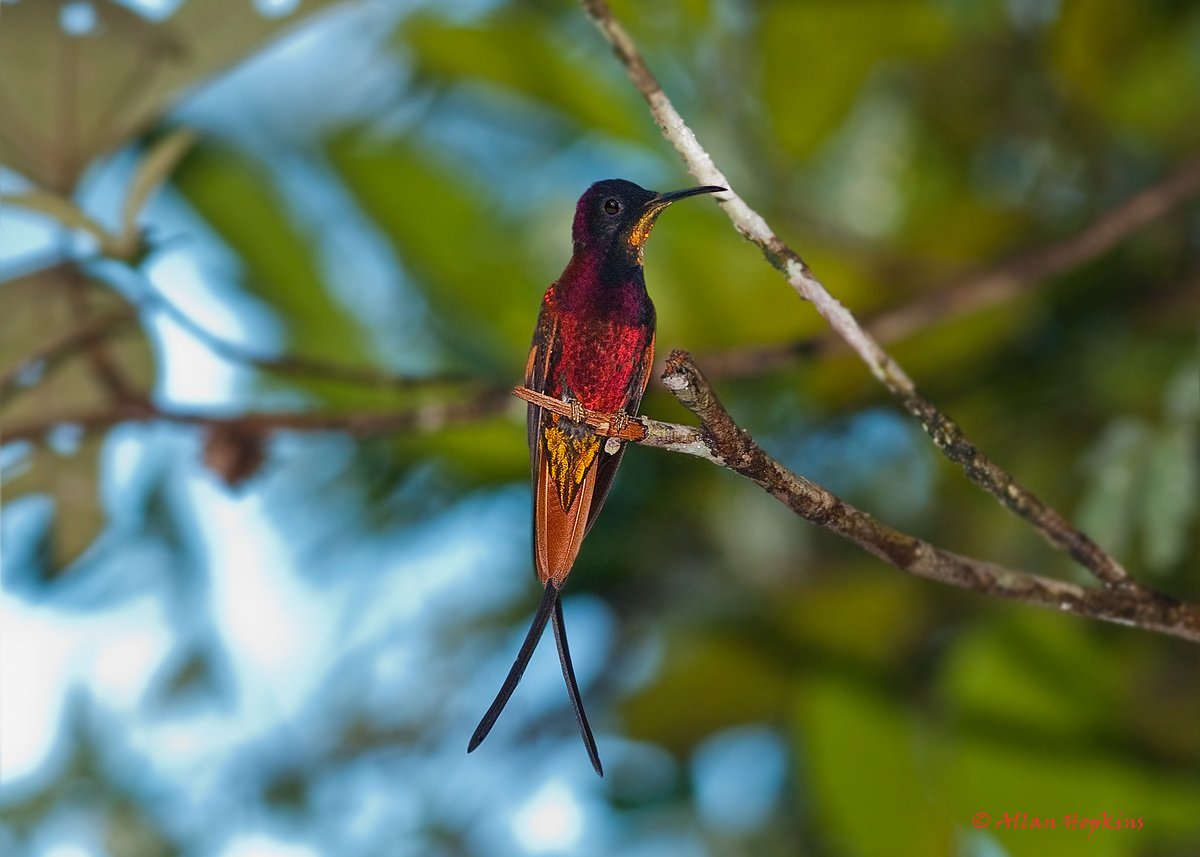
(721,440)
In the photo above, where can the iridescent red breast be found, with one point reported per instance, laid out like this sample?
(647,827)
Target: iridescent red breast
(604,331)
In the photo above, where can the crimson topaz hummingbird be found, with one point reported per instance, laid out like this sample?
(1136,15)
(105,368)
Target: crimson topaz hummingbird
(593,345)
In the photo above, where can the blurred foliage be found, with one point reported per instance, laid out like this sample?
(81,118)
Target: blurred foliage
(39,308)
(448,53)
(897,145)
(85,78)
(1146,478)
(237,199)
(479,281)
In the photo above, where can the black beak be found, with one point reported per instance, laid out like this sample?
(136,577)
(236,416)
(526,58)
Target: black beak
(665,199)
(640,231)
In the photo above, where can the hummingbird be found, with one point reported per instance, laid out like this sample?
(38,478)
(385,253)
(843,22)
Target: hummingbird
(593,348)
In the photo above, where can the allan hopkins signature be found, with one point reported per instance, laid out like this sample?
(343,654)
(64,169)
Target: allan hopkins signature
(1072,821)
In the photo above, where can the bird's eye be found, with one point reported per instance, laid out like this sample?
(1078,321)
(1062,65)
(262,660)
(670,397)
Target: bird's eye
(612,206)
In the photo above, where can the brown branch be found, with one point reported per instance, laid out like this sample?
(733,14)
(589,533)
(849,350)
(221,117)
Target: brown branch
(104,364)
(426,418)
(53,352)
(946,434)
(290,364)
(720,440)
(987,288)
(1027,269)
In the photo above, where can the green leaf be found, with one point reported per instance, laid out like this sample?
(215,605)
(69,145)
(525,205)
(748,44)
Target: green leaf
(238,200)
(70,98)
(1172,486)
(1172,503)
(483,452)
(1047,666)
(518,50)
(863,754)
(817,56)
(734,682)
(893,607)
(1144,480)
(1108,509)
(1181,399)
(464,254)
(1134,64)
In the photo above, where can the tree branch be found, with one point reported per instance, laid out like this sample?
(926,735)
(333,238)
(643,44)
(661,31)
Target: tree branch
(426,418)
(53,352)
(974,292)
(721,441)
(105,367)
(290,364)
(946,434)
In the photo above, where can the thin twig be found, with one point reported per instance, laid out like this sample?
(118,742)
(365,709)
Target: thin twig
(53,352)
(290,364)
(105,366)
(946,434)
(720,440)
(426,418)
(987,288)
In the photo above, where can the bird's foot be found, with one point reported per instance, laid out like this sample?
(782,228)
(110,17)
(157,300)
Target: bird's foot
(618,422)
(576,410)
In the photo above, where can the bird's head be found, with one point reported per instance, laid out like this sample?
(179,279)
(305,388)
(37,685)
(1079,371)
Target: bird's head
(615,215)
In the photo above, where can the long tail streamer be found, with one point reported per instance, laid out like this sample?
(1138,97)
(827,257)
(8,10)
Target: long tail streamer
(564,657)
(545,609)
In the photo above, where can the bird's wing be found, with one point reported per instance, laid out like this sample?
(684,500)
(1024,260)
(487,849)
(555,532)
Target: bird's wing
(545,350)
(560,463)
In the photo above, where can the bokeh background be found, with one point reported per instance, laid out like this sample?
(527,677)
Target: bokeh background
(277,643)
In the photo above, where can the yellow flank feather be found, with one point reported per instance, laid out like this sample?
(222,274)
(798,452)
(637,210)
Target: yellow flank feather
(569,459)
